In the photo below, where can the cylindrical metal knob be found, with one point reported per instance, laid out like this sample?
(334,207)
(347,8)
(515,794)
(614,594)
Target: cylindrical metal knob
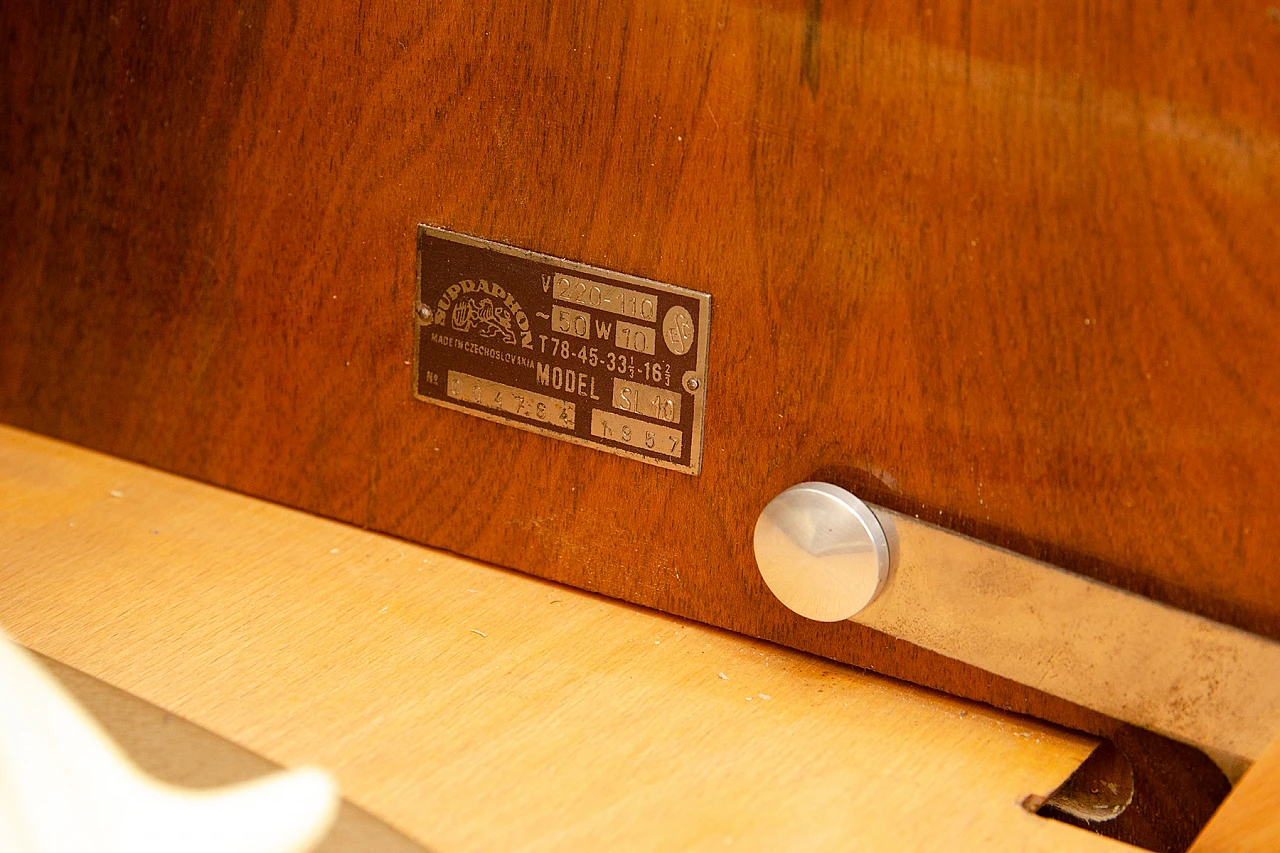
(821,551)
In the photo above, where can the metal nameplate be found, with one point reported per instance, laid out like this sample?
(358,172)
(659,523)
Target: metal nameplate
(586,355)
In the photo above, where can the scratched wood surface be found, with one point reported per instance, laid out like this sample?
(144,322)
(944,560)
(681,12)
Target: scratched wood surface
(479,709)
(1012,268)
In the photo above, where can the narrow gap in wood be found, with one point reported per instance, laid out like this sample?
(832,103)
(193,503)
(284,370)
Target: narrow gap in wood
(1098,791)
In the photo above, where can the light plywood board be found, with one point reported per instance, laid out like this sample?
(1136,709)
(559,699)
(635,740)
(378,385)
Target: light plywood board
(478,709)
(1249,821)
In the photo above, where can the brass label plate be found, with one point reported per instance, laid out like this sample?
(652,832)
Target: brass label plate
(582,354)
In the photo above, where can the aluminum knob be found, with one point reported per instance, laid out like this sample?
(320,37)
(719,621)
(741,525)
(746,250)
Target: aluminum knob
(821,551)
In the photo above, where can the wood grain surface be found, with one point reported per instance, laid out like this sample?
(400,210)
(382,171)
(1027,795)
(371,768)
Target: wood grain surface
(1010,268)
(478,709)
(1249,820)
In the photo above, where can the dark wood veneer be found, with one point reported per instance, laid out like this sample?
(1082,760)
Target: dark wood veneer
(1012,268)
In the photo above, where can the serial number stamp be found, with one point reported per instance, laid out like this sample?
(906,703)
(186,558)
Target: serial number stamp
(585,355)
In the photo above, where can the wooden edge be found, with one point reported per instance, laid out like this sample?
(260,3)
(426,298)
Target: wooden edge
(1249,819)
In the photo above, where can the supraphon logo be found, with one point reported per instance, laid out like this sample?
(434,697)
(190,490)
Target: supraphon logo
(485,308)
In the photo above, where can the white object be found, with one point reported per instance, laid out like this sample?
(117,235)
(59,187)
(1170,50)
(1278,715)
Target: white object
(65,787)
